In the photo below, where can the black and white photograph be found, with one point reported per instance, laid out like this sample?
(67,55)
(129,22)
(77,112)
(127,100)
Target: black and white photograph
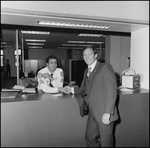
(74,73)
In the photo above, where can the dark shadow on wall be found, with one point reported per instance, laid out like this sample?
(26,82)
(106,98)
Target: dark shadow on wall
(118,78)
(119,119)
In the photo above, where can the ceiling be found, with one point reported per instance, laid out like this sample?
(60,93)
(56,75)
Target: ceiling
(59,36)
(57,39)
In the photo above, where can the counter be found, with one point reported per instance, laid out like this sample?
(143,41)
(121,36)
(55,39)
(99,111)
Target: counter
(53,120)
(42,120)
(132,129)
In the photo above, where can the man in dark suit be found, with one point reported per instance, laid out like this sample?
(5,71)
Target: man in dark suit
(99,90)
(8,69)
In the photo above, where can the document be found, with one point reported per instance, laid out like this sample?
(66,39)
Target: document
(29,90)
(8,90)
(8,94)
(126,89)
(19,87)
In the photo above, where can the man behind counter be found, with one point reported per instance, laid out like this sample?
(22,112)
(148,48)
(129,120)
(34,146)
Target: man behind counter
(50,79)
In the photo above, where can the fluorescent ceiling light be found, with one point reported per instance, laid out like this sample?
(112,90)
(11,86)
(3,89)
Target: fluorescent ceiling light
(69,45)
(34,40)
(85,45)
(76,48)
(1,52)
(72,25)
(7,46)
(76,41)
(89,42)
(34,47)
(19,52)
(3,43)
(35,44)
(90,35)
(35,32)
(63,47)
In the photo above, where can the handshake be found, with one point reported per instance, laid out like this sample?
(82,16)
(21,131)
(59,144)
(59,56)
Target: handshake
(66,89)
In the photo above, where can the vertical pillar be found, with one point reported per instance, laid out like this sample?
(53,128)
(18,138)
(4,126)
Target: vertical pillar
(17,57)
(22,55)
(117,49)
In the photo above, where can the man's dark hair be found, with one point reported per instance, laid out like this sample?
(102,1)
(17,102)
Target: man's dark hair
(94,50)
(51,57)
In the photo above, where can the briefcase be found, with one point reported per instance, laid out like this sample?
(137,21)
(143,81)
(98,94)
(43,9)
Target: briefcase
(131,80)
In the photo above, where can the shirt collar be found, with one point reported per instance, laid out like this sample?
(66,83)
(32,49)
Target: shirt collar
(92,66)
(49,71)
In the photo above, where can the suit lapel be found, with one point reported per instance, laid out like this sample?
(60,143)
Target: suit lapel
(82,88)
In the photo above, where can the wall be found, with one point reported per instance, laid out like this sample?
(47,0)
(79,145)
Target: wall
(140,54)
(117,50)
(44,53)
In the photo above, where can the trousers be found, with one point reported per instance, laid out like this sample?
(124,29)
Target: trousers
(98,134)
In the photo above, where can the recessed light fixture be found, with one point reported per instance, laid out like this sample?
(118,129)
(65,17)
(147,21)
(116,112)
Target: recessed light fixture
(34,47)
(34,40)
(36,32)
(7,46)
(89,42)
(85,45)
(63,47)
(69,45)
(76,48)
(73,25)
(19,52)
(35,44)
(3,43)
(76,41)
(90,35)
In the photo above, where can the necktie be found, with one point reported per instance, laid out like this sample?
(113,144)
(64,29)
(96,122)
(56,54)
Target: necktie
(89,72)
(51,80)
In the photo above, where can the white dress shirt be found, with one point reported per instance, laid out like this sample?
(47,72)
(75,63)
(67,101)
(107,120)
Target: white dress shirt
(44,78)
(92,66)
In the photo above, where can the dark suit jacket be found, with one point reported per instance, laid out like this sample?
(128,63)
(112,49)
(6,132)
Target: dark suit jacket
(101,93)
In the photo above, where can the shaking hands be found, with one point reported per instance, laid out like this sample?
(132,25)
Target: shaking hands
(66,89)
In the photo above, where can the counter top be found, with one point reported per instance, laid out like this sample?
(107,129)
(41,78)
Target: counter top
(35,97)
(46,96)
(136,91)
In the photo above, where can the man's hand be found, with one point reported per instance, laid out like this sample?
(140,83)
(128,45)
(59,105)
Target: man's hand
(106,118)
(67,90)
(61,89)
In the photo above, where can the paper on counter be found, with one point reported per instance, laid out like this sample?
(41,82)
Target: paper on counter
(126,89)
(19,87)
(5,94)
(7,90)
(29,90)
(58,94)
